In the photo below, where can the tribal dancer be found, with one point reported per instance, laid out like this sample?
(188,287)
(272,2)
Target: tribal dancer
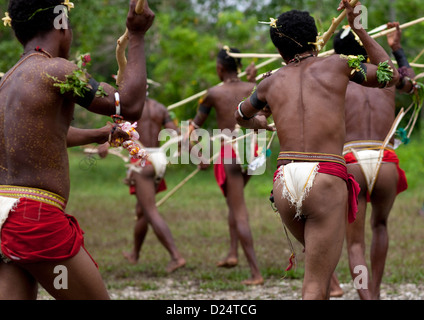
(370,115)
(35,115)
(145,182)
(313,191)
(229,174)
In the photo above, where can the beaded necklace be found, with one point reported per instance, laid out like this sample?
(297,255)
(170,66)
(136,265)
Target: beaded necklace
(297,58)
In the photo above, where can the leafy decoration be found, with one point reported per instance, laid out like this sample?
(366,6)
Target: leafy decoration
(355,63)
(78,81)
(384,72)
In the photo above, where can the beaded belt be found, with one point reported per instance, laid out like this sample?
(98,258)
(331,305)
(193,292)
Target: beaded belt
(311,156)
(33,194)
(366,144)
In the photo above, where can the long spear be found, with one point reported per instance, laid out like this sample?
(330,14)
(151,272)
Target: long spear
(329,52)
(200,94)
(122,44)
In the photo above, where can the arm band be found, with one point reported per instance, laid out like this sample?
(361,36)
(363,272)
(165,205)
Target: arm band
(204,109)
(359,76)
(401,58)
(241,112)
(89,95)
(256,103)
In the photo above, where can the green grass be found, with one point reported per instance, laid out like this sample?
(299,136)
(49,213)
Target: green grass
(197,217)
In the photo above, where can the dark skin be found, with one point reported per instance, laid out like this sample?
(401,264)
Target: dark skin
(155,117)
(34,124)
(370,113)
(224,99)
(307,101)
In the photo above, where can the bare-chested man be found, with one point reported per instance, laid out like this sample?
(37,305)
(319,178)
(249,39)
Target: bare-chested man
(312,189)
(37,235)
(230,175)
(145,182)
(370,115)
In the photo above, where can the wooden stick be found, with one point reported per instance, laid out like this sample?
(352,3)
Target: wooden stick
(178,186)
(322,41)
(122,44)
(418,56)
(202,93)
(329,52)
(403,26)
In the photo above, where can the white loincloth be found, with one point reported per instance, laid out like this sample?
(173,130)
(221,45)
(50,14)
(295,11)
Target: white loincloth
(297,179)
(158,159)
(370,163)
(6,205)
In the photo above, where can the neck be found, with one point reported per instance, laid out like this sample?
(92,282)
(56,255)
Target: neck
(231,77)
(299,57)
(40,45)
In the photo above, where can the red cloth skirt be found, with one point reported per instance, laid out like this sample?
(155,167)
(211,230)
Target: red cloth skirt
(39,232)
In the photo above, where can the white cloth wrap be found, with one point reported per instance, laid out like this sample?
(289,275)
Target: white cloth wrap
(158,159)
(297,179)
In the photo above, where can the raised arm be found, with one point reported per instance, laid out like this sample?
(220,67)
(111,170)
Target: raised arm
(380,63)
(406,73)
(132,89)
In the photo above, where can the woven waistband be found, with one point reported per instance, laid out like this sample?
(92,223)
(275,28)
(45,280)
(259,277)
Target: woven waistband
(366,144)
(33,194)
(311,157)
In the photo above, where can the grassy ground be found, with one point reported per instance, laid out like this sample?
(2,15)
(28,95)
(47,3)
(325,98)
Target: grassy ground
(197,217)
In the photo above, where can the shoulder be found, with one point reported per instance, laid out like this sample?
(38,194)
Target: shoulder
(59,68)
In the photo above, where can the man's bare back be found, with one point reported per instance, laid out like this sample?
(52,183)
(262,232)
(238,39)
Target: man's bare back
(155,116)
(307,103)
(370,104)
(38,112)
(225,98)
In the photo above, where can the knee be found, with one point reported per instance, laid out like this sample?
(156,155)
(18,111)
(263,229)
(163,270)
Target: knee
(356,248)
(378,224)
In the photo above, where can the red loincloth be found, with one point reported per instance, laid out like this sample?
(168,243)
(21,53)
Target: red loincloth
(389,156)
(39,232)
(227,152)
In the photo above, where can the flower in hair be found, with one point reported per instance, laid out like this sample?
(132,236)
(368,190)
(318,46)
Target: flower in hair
(272,23)
(70,5)
(7,20)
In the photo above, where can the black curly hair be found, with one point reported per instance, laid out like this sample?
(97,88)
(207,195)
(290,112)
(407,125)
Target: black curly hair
(348,45)
(32,17)
(229,63)
(294,33)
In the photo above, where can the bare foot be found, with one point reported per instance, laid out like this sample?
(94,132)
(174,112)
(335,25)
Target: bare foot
(130,257)
(253,282)
(335,290)
(175,264)
(227,263)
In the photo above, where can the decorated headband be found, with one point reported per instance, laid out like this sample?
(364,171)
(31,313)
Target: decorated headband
(7,20)
(273,24)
